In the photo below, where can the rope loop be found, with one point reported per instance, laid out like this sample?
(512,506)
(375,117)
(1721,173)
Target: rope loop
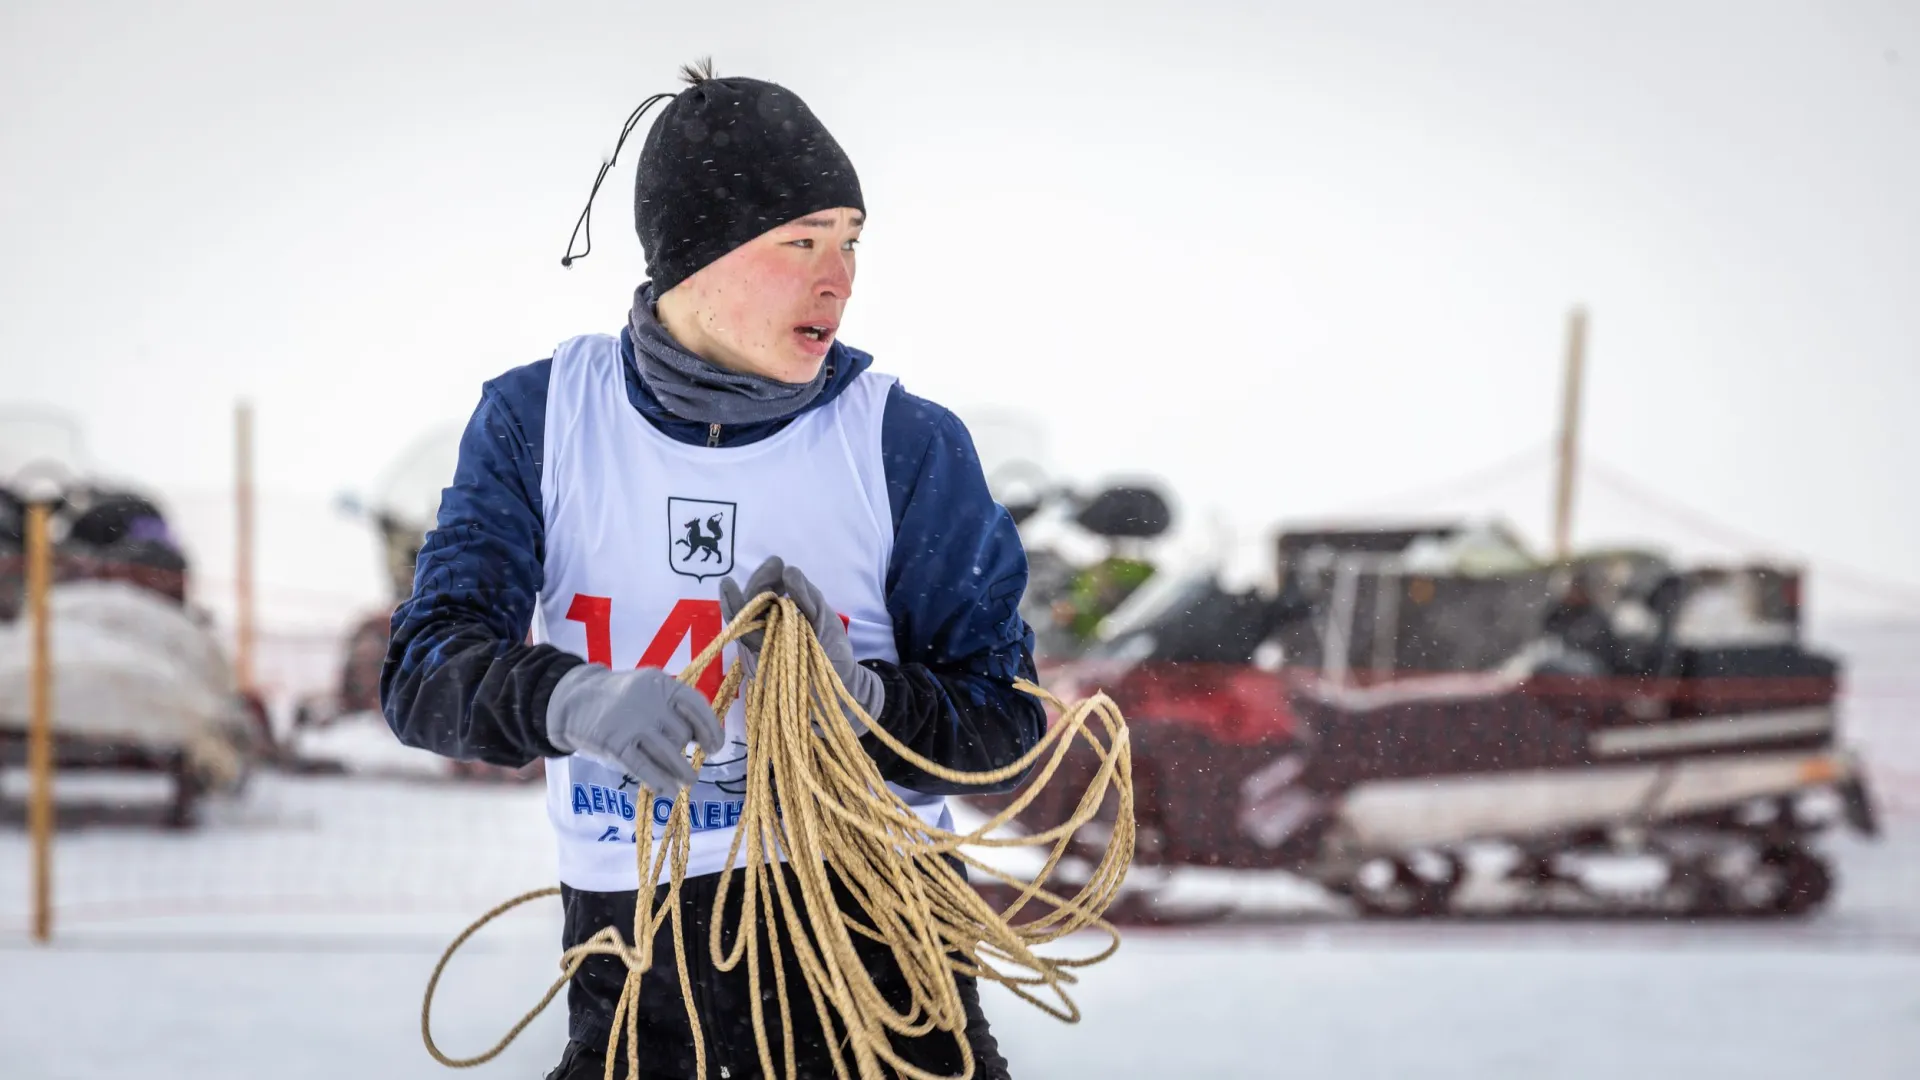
(815,799)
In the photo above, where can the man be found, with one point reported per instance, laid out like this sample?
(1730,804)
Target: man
(604,498)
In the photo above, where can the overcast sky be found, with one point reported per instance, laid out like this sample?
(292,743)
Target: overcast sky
(1296,258)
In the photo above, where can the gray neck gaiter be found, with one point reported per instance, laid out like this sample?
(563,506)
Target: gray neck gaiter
(694,389)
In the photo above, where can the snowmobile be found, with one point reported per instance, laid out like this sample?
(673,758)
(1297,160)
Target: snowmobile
(1067,599)
(140,681)
(1418,711)
(343,731)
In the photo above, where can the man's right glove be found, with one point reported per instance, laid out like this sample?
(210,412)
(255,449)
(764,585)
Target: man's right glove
(733,601)
(775,576)
(639,721)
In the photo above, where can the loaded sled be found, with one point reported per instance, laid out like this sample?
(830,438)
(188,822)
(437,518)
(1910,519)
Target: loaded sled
(140,683)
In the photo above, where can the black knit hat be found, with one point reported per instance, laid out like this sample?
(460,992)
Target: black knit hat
(726,160)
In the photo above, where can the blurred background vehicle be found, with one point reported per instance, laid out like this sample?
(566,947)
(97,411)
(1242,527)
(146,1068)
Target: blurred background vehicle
(344,730)
(142,680)
(1405,706)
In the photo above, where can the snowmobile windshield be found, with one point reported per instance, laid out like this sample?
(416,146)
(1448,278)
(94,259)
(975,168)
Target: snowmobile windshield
(1166,593)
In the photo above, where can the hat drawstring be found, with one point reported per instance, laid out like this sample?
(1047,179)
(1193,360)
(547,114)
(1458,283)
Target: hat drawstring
(585,221)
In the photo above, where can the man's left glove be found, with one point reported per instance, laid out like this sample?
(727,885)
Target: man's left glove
(776,577)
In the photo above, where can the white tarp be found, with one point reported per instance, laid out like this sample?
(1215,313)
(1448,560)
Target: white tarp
(129,667)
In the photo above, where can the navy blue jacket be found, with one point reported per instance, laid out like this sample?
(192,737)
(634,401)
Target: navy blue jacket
(460,680)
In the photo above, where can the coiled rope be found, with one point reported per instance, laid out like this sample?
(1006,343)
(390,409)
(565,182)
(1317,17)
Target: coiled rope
(815,794)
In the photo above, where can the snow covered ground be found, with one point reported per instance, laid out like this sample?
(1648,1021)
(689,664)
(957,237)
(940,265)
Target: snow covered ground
(292,936)
(1323,1004)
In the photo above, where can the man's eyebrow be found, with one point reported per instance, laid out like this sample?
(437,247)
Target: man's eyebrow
(859,220)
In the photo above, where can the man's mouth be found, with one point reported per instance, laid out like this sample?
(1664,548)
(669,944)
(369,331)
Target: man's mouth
(815,331)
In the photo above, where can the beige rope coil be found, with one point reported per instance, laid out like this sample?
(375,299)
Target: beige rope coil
(815,794)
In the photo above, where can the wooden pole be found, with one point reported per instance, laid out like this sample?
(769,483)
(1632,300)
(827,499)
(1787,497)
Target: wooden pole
(40,719)
(243,546)
(1569,435)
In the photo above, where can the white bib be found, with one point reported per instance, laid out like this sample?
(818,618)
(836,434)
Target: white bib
(640,529)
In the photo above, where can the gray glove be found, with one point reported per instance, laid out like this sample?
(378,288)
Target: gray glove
(732,601)
(775,576)
(639,721)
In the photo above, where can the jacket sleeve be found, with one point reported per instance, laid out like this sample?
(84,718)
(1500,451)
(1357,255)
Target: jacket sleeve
(953,590)
(459,678)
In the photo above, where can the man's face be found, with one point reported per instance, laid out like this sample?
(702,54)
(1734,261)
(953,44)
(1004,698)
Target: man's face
(771,306)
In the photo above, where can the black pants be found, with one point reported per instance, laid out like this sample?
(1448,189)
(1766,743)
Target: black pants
(721,998)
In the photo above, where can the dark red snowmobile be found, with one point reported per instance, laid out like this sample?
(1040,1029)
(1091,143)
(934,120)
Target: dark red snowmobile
(1391,727)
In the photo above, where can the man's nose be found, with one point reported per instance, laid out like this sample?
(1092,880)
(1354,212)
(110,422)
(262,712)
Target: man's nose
(836,276)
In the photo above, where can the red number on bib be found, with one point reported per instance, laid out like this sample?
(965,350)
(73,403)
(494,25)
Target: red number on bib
(698,619)
(597,613)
